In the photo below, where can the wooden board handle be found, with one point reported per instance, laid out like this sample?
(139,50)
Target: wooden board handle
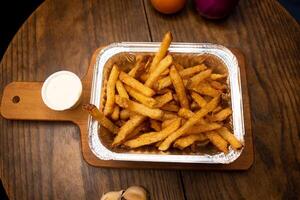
(23,101)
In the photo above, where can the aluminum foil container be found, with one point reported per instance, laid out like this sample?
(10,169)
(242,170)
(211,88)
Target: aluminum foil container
(227,58)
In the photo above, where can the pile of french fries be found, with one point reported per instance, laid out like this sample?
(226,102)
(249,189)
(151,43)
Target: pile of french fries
(161,103)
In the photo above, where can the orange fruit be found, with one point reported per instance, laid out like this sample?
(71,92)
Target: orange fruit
(168,6)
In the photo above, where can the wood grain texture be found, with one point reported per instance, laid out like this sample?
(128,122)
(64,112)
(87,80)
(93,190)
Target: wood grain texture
(43,161)
(270,40)
(31,107)
(39,160)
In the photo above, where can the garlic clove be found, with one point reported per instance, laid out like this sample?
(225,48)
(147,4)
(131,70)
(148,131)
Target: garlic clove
(135,193)
(113,195)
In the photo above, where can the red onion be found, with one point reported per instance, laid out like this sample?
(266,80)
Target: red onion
(215,9)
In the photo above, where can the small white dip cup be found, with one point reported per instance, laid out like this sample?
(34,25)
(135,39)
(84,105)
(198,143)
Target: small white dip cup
(62,91)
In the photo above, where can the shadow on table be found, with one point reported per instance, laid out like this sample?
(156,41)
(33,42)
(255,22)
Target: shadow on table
(3,195)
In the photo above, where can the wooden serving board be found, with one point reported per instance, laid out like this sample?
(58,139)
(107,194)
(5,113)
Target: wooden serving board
(23,101)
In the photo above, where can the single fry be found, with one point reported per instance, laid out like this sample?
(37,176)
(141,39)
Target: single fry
(100,117)
(179,87)
(124,114)
(115,114)
(198,99)
(229,137)
(170,107)
(195,80)
(163,49)
(147,101)
(206,89)
(127,129)
(218,141)
(155,73)
(156,125)
(191,121)
(132,82)
(222,115)
(153,137)
(190,71)
(121,89)
(184,142)
(163,99)
(153,113)
(217,76)
(111,90)
(196,129)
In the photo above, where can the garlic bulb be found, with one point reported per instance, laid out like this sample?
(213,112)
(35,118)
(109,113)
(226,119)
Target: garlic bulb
(135,193)
(114,195)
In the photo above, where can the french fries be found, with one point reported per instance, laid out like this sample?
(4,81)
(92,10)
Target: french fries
(201,128)
(132,82)
(192,70)
(222,115)
(179,87)
(166,103)
(170,107)
(150,138)
(169,115)
(162,50)
(167,122)
(137,67)
(162,66)
(163,99)
(111,90)
(148,101)
(99,116)
(133,106)
(116,113)
(186,114)
(217,140)
(191,121)
(124,114)
(185,73)
(206,90)
(229,137)
(121,89)
(127,129)
(195,80)
(156,125)
(217,76)
(198,99)
(184,142)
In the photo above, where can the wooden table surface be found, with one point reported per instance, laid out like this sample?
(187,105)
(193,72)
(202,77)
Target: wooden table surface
(43,160)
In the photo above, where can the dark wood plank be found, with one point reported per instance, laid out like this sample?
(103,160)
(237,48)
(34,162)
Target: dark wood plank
(270,40)
(40,160)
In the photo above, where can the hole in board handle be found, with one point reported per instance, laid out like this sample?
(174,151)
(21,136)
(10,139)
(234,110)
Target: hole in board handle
(16,99)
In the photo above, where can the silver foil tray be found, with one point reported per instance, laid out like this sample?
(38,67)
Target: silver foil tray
(224,54)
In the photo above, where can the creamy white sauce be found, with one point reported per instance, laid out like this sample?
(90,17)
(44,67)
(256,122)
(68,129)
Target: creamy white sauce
(62,90)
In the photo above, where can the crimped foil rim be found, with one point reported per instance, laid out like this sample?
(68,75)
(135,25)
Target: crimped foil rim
(219,51)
